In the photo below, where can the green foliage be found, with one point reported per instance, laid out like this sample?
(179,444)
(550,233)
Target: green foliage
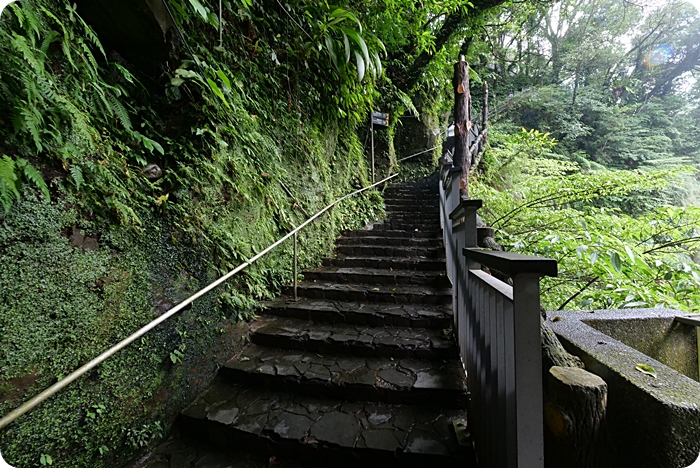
(227,142)
(11,174)
(607,259)
(620,103)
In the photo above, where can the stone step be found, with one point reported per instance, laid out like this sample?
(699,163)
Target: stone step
(428,200)
(431,201)
(390,241)
(373,293)
(394,191)
(413,209)
(350,378)
(346,275)
(396,263)
(389,251)
(373,233)
(356,340)
(407,226)
(322,431)
(420,218)
(358,313)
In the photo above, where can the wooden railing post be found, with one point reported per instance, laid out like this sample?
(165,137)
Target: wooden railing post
(503,357)
(528,370)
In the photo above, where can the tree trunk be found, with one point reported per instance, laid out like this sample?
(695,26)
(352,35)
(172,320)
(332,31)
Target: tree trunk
(463,123)
(576,434)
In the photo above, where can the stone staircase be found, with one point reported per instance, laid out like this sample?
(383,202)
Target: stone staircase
(362,368)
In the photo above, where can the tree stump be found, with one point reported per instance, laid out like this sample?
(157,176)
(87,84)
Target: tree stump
(576,434)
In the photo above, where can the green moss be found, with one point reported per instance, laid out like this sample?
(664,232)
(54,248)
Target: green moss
(222,199)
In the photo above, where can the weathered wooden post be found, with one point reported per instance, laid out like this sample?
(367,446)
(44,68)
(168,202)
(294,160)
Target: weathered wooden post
(485,115)
(462,113)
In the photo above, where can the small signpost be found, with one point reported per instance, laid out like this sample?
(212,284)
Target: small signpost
(381,119)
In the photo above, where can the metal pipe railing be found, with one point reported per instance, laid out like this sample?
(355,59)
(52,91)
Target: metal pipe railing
(58,386)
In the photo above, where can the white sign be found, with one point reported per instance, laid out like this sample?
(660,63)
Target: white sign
(3,4)
(3,463)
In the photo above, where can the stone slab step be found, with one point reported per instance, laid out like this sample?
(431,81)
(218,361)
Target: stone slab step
(390,251)
(414,214)
(385,240)
(412,218)
(350,378)
(431,203)
(373,293)
(417,211)
(406,226)
(396,263)
(411,191)
(357,313)
(411,233)
(347,275)
(356,340)
(326,431)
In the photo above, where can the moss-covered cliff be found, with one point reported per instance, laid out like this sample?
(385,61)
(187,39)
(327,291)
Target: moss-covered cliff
(244,147)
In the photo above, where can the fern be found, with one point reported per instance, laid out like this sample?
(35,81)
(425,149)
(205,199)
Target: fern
(119,109)
(10,182)
(33,176)
(77,175)
(8,176)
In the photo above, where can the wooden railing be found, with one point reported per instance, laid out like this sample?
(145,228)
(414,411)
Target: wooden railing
(497,326)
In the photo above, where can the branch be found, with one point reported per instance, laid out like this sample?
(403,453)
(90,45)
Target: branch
(587,285)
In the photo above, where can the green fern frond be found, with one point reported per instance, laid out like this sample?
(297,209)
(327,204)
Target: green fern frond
(76,174)
(8,175)
(34,176)
(19,43)
(119,109)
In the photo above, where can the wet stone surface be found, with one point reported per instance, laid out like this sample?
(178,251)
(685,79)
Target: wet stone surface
(358,372)
(390,263)
(331,423)
(363,313)
(360,340)
(407,380)
(399,294)
(376,276)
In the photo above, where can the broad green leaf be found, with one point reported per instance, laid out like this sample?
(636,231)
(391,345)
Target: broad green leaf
(615,261)
(378,64)
(629,253)
(594,257)
(185,73)
(224,78)
(199,8)
(346,42)
(646,369)
(359,41)
(215,89)
(360,66)
(330,45)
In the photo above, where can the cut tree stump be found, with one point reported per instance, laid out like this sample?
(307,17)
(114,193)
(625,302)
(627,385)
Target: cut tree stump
(576,434)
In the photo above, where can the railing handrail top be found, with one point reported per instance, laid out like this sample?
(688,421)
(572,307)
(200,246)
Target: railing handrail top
(511,263)
(504,289)
(459,210)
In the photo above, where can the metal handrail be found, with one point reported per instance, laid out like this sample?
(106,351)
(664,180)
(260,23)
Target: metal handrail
(58,386)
